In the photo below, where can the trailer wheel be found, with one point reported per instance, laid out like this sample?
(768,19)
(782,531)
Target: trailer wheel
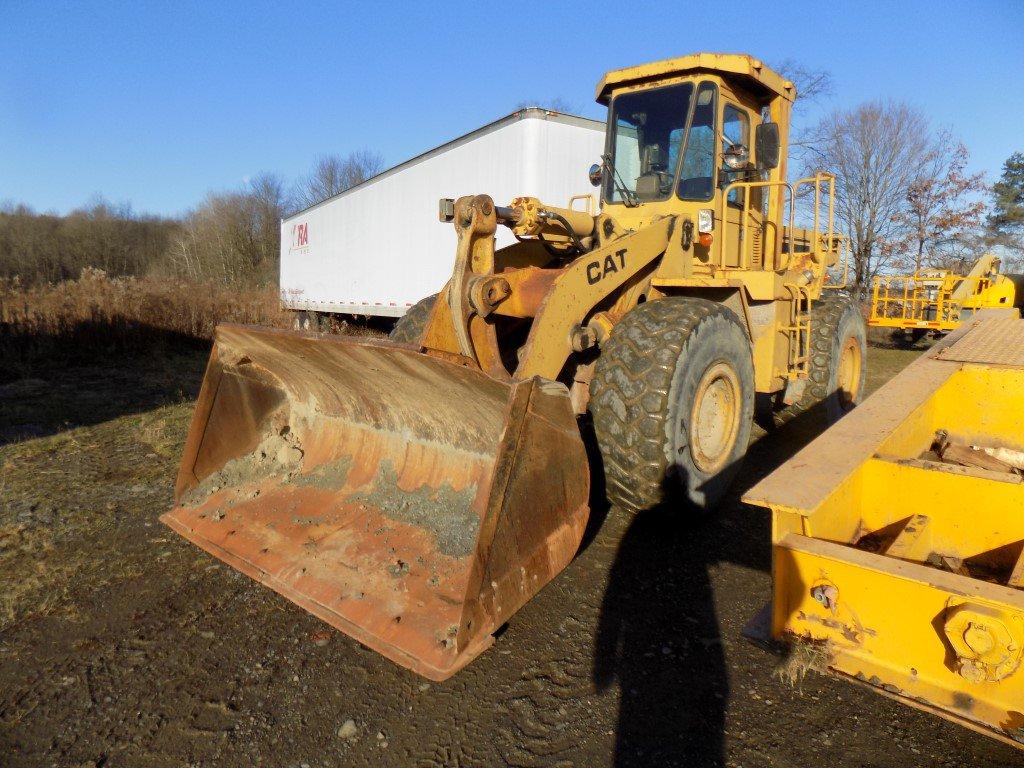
(410,326)
(306,320)
(672,403)
(838,365)
(908,338)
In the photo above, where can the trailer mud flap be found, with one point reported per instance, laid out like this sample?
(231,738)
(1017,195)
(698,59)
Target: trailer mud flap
(410,502)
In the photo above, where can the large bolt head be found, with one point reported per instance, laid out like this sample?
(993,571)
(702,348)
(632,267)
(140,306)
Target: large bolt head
(985,638)
(825,594)
(979,638)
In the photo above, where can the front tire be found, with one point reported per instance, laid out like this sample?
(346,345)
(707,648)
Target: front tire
(672,402)
(410,326)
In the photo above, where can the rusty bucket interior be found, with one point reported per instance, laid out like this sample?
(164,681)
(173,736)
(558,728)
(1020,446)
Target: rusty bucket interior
(410,502)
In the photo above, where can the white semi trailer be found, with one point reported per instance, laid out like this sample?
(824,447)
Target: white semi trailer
(378,248)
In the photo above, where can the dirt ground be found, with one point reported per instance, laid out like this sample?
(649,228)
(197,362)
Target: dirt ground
(123,645)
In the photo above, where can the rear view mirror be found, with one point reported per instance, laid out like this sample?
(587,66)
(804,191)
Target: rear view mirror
(596,173)
(767,144)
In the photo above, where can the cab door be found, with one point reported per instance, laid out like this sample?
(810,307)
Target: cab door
(744,245)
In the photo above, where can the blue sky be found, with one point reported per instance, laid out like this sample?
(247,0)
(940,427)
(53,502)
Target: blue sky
(157,103)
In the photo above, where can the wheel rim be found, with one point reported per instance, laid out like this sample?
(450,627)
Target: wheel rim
(848,375)
(715,418)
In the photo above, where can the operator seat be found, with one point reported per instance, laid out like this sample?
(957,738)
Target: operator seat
(650,185)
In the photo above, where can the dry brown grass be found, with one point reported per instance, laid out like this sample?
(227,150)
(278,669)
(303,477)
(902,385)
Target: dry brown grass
(97,313)
(804,656)
(187,308)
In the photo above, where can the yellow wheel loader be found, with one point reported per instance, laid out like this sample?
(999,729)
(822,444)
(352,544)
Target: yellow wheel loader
(416,492)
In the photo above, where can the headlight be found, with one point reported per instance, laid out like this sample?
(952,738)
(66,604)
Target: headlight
(705,220)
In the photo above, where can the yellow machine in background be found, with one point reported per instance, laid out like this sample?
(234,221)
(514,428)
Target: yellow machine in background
(898,535)
(937,301)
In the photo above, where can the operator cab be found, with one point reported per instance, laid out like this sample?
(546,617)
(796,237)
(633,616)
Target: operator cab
(685,129)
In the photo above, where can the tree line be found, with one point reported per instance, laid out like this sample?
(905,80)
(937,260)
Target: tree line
(230,238)
(904,196)
(49,248)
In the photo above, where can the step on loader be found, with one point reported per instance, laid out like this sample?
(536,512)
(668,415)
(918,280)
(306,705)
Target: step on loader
(415,493)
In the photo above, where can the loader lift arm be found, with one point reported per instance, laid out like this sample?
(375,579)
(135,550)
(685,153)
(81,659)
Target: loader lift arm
(567,295)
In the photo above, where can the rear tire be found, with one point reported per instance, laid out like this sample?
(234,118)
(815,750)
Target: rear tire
(410,326)
(672,402)
(838,365)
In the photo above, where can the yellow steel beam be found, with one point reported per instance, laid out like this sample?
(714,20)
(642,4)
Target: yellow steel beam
(885,625)
(578,289)
(908,573)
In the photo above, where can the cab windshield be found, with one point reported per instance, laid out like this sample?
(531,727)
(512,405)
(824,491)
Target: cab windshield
(649,134)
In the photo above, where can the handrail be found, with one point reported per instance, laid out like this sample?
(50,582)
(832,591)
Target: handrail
(589,199)
(829,237)
(820,242)
(922,298)
(845,250)
(723,205)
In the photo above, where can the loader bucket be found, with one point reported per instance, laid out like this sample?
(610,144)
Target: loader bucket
(410,502)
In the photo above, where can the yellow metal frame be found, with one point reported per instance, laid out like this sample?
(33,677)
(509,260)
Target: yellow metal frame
(747,67)
(822,250)
(919,301)
(823,247)
(935,301)
(907,573)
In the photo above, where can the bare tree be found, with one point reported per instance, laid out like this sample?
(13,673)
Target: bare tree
(270,202)
(332,175)
(47,247)
(812,84)
(812,87)
(876,151)
(232,238)
(943,215)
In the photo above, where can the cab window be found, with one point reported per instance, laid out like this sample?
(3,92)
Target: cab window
(648,128)
(735,132)
(697,169)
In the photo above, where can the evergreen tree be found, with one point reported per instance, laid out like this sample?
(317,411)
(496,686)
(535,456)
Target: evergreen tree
(1006,221)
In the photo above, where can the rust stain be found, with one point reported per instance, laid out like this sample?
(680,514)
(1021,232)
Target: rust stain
(849,633)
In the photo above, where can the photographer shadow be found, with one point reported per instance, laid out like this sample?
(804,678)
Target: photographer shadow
(659,635)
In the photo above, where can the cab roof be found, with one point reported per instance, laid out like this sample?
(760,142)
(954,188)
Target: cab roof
(752,72)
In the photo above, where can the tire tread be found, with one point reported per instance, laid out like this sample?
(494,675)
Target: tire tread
(630,393)
(410,326)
